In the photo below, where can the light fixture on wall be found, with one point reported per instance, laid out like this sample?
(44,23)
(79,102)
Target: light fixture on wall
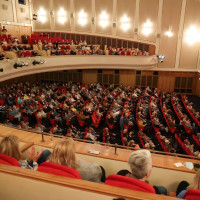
(103,22)
(42,16)
(169,33)
(125,23)
(62,16)
(147,28)
(192,35)
(82,18)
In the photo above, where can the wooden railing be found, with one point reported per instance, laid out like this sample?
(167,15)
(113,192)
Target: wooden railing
(34,178)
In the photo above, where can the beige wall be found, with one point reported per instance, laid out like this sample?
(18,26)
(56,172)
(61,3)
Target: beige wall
(128,8)
(14,187)
(148,10)
(65,4)
(85,5)
(45,4)
(168,46)
(189,53)
(107,6)
(6,11)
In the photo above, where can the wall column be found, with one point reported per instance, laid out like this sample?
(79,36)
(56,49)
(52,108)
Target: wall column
(180,33)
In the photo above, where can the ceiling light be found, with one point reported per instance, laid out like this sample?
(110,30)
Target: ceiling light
(147,28)
(125,23)
(103,19)
(82,18)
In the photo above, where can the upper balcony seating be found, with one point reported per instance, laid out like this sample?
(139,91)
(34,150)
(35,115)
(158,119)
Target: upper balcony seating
(53,168)
(8,160)
(129,183)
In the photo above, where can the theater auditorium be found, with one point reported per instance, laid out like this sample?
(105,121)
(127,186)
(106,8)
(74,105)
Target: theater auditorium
(100,99)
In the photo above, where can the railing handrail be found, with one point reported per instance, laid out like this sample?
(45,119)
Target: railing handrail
(110,145)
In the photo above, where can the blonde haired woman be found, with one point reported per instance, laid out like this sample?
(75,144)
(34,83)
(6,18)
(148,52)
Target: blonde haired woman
(9,145)
(194,186)
(64,154)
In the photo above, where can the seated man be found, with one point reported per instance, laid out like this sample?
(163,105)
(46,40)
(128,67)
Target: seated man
(140,162)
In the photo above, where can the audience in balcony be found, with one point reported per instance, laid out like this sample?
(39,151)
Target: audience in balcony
(9,145)
(58,46)
(140,162)
(64,154)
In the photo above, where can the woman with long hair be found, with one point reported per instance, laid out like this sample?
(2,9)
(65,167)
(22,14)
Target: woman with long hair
(9,145)
(64,154)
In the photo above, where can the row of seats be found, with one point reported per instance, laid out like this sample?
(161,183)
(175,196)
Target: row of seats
(113,180)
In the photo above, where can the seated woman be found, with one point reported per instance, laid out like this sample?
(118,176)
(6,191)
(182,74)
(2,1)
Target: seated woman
(9,145)
(184,186)
(64,154)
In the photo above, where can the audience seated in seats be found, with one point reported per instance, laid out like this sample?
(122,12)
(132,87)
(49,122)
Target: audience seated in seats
(140,163)
(9,145)
(185,189)
(64,155)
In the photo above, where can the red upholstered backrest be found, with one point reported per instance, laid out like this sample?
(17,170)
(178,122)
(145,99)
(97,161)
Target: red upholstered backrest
(8,160)
(192,195)
(53,168)
(129,183)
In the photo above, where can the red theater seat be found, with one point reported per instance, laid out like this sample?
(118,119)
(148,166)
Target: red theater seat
(129,183)
(53,168)
(8,160)
(192,195)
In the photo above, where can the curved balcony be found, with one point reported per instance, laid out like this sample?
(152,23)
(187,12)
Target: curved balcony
(58,63)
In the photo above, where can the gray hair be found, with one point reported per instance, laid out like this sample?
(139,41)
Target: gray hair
(90,171)
(140,163)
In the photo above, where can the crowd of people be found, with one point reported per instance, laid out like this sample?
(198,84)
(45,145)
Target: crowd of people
(63,157)
(29,46)
(127,51)
(116,115)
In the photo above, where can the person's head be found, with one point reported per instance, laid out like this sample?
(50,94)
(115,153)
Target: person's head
(196,183)
(9,145)
(64,153)
(140,162)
